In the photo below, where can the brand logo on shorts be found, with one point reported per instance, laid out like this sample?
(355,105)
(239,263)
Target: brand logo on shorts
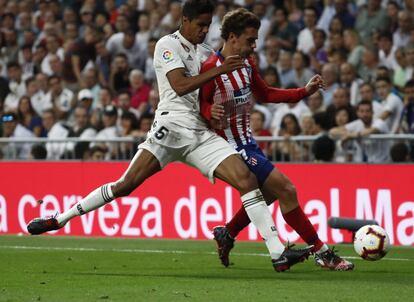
(167,55)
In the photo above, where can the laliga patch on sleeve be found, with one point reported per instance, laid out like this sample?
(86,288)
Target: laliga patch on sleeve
(167,56)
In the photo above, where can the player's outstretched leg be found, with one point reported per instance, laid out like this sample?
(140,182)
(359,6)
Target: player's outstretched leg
(142,166)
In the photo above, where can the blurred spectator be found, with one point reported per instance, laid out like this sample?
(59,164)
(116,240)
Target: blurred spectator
(124,104)
(407,120)
(81,129)
(259,9)
(340,101)
(139,90)
(149,63)
(118,79)
(85,100)
(400,153)
(285,32)
(172,19)
(401,36)
(145,123)
(128,128)
(301,69)
(370,62)
(367,93)
(323,149)
(315,102)
(143,34)
(97,153)
(17,86)
(371,18)
(257,119)
(349,80)
(62,98)
(297,109)
(127,44)
(305,39)
(330,76)
(110,131)
(286,72)
(105,97)
(214,33)
(102,62)
(81,53)
(270,54)
(28,117)
(13,129)
(318,54)
(288,150)
(375,151)
(26,61)
(38,152)
(53,48)
(392,105)
(54,130)
(392,12)
(90,82)
(387,50)
(352,44)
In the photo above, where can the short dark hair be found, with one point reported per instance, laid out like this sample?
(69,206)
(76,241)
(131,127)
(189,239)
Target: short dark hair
(399,152)
(38,151)
(237,21)
(365,102)
(194,8)
(323,148)
(409,84)
(385,79)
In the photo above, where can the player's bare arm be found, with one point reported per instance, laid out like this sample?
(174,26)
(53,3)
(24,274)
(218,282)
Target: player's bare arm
(183,84)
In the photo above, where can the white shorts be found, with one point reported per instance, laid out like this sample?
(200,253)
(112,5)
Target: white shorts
(202,149)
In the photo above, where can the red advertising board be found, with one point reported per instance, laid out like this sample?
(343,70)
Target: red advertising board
(179,202)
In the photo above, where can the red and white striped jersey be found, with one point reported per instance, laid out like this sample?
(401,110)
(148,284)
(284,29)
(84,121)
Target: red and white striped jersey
(233,91)
(236,92)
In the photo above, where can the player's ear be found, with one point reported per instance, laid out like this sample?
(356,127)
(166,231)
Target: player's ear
(185,19)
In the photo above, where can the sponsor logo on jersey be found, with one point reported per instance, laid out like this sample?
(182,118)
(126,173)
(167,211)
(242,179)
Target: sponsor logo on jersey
(167,55)
(189,58)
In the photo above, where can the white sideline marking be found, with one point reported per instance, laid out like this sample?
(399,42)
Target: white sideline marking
(89,249)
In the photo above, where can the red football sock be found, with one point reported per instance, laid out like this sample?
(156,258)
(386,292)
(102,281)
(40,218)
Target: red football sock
(238,222)
(301,224)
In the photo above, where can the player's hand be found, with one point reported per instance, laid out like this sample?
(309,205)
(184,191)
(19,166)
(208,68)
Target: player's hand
(315,83)
(217,111)
(232,63)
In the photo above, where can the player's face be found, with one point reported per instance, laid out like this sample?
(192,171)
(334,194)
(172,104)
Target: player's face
(246,43)
(197,28)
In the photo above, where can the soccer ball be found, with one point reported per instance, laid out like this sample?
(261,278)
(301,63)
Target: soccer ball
(371,242)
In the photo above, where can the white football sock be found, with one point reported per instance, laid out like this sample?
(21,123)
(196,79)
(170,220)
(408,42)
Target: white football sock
(94,200)
(259,214)
(323,248)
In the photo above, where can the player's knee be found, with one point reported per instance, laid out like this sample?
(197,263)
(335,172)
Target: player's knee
(288,191)
(247,181)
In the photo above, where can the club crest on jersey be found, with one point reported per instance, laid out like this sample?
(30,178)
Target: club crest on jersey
(167,55)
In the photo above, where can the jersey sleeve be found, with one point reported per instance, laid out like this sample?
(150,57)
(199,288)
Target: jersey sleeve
(167,56)
(206,93)
(267,94)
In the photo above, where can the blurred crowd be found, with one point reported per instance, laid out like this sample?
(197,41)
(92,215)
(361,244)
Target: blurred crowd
(72,68)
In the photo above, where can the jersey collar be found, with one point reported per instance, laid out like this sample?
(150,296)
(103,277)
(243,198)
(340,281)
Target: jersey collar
(185,41)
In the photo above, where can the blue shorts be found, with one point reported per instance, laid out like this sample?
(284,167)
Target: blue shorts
(257,162)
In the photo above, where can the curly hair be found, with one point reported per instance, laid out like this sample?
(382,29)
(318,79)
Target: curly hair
(236,21)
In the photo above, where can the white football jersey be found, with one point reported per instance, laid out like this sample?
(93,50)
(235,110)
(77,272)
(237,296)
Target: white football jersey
(171,52)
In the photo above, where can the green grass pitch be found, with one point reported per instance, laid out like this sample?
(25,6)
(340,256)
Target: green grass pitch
(47,268)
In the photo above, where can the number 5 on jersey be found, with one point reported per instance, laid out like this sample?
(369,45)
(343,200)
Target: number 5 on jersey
(161,133)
